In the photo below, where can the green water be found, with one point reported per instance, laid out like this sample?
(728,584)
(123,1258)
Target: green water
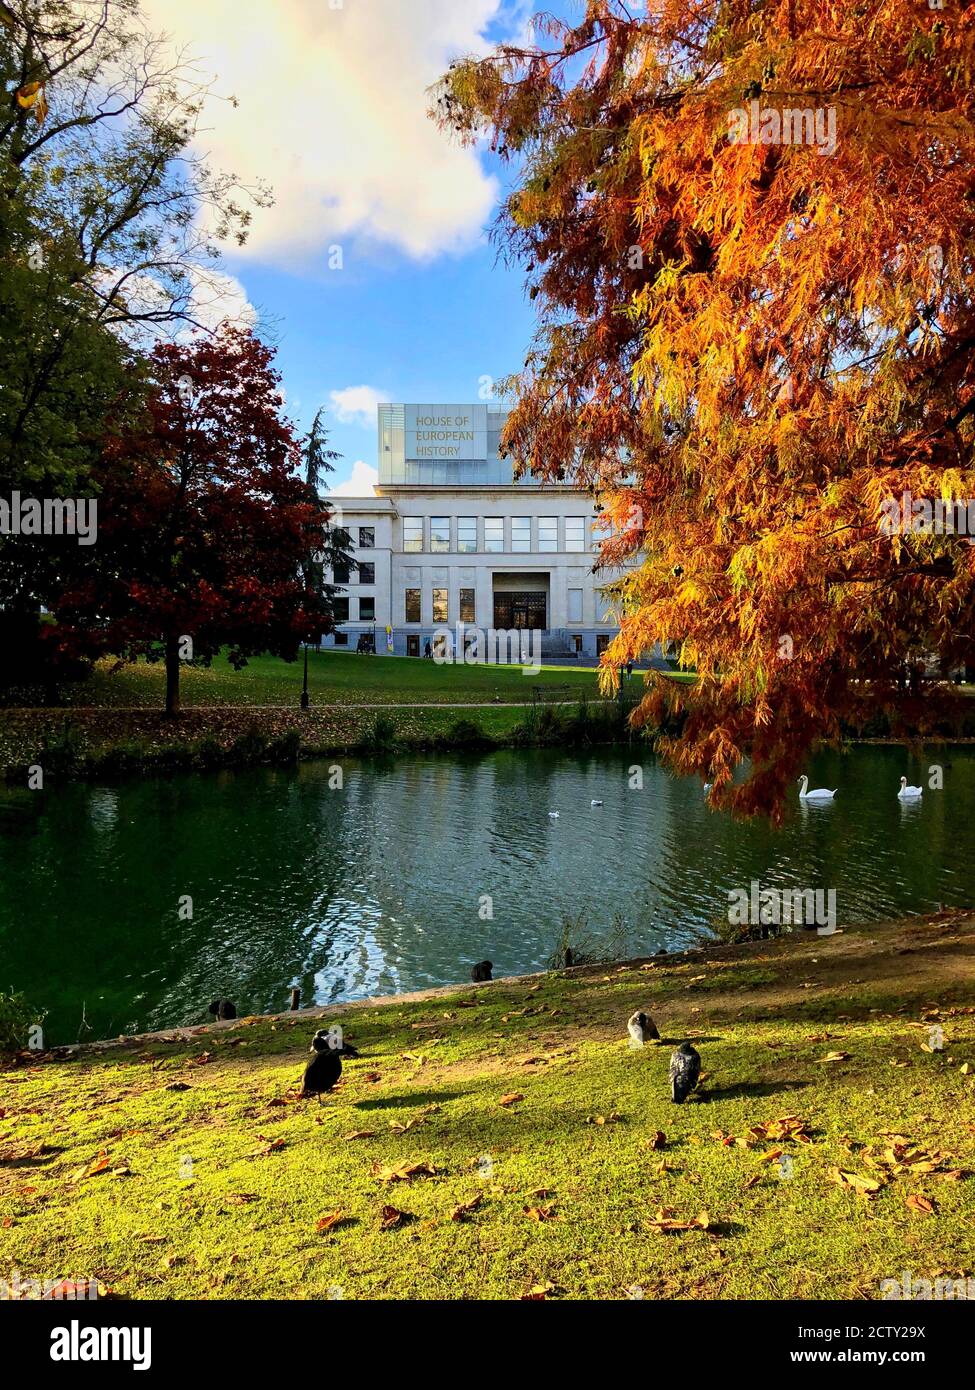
(382,886)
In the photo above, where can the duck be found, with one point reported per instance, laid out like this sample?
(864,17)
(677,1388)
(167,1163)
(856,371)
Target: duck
(685,1072)
(907,793)
(818,793)
(641,1026)
(324,1070)
(481,972)
(222,1009)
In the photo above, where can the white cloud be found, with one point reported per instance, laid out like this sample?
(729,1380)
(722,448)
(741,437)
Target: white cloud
(357,405)
(362,483)
(333,114)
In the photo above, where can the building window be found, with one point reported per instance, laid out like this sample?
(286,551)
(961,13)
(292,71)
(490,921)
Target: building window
(548,533)
(413,533)
(340,610)
(468,607)
(467,535)
(439,533)
(367,537)
(413,605)
(341,639)
(367,574)
(367,610)
(440,609)
(340,574)
(575,605)
(521,533)
(575,533)
(494,535)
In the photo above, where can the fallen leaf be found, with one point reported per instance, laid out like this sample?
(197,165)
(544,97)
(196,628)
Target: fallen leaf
(404,1173)
(511,1099)
(393,1217)
(541,1213)
(328,1223)
(924,1205)
(868,1187)
(98,1165)
(466,1208)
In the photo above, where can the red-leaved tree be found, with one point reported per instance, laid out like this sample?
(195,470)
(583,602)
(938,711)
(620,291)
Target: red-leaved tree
(207,532)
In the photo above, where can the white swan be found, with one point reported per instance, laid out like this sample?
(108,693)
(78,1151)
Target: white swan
(595,803)
(818,794)
(553,815)
(907,793)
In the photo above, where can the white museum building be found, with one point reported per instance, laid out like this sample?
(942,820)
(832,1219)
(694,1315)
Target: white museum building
(451,537)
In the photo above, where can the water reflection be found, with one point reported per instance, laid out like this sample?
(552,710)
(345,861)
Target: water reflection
(381,887)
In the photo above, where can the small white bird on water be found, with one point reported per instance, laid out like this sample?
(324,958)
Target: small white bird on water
(907,793)
(595,803)
(817,794)
(553,815)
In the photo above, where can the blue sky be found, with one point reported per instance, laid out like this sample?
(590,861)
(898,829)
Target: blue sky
(331,110)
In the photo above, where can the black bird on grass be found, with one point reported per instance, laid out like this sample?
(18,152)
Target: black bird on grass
(222,1008)
(685,1070)
(482,972)
(324,1069)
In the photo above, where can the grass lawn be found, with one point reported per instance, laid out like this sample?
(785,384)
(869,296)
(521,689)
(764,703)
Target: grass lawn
(558,1193)
(338,678)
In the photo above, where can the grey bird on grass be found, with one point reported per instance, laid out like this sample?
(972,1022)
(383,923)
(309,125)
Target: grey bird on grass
(641,1027)
(685,1071)
(482,972)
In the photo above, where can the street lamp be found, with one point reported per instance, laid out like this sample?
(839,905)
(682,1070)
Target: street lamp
(305,700)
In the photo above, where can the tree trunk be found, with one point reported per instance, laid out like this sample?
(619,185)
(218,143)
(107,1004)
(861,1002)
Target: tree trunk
(172,675)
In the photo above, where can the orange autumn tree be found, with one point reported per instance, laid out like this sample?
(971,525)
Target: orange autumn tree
(749,230)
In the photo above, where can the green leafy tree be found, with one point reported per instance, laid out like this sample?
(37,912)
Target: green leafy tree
(110,224)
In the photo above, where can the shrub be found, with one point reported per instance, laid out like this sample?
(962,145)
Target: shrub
(249,748)
(574,936)
(379,736)
(284,750)
(209,754)
(465,733)
(62,751)
(17,1018)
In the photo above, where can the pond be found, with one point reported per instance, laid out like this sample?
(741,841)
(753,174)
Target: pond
(389,883)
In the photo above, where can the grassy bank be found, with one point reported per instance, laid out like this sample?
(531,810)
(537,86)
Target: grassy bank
(335,679)
(109,744)
(814,1052)
(113,726)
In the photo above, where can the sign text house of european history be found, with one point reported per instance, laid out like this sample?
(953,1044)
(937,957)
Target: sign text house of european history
(444,432)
